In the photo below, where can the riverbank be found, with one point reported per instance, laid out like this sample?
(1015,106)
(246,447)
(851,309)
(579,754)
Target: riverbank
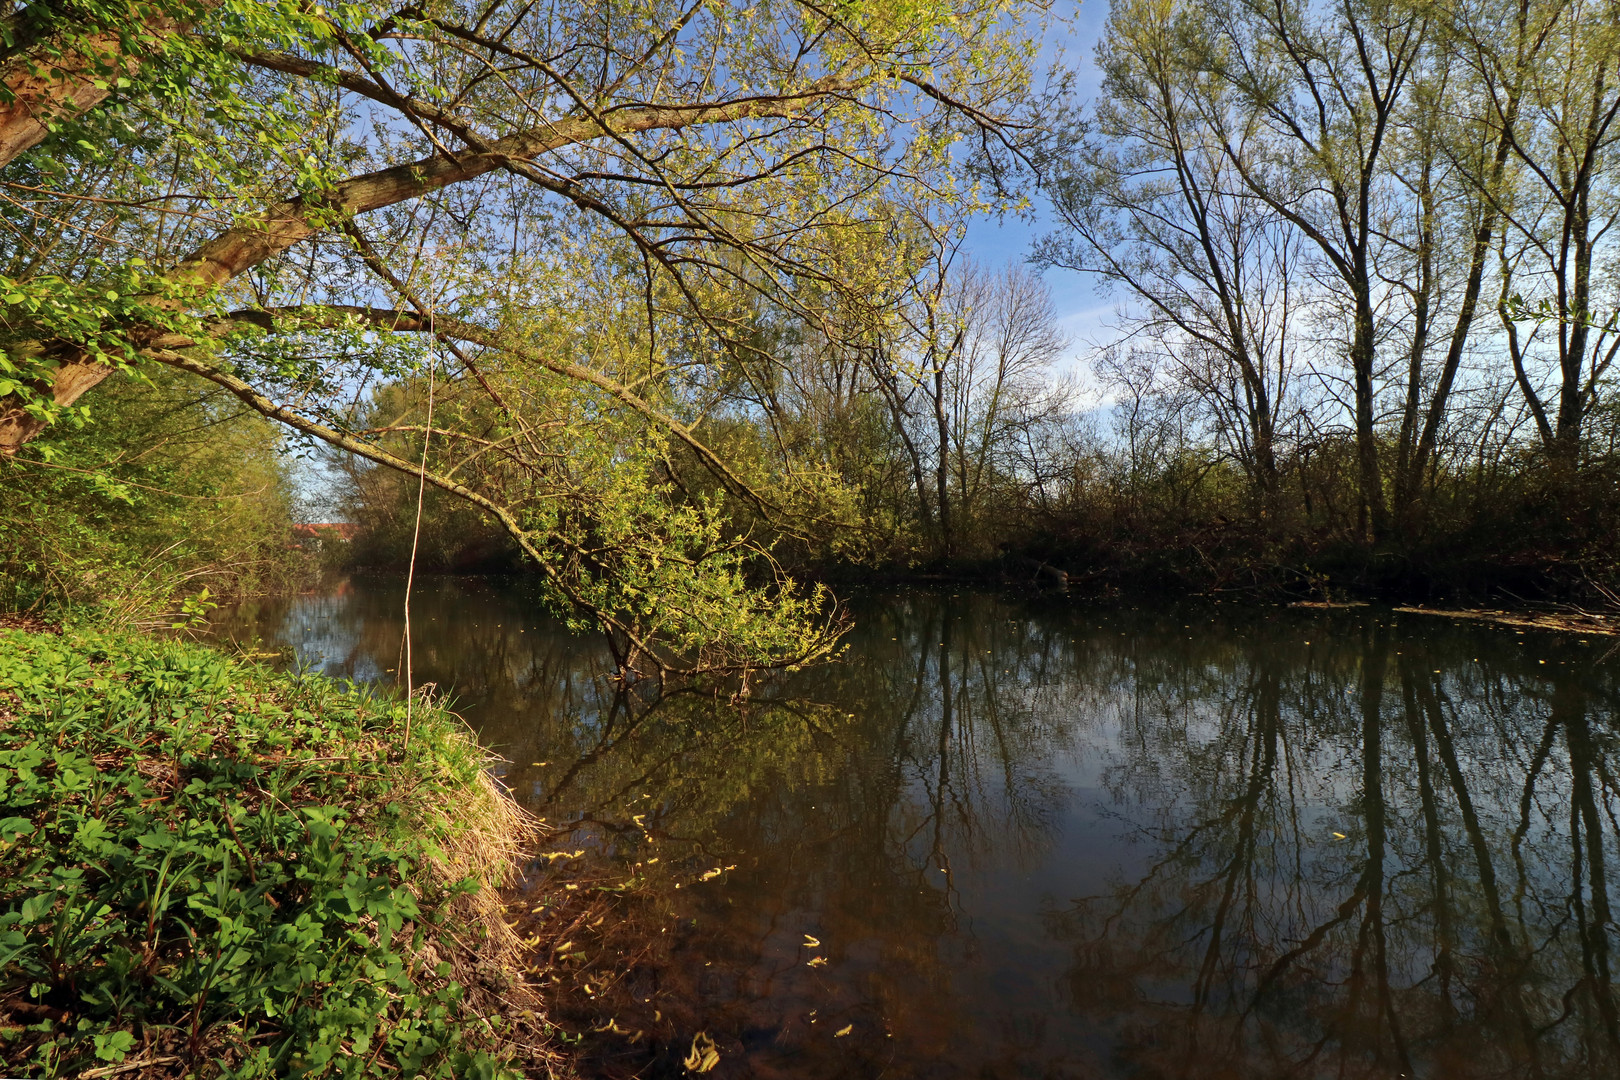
(208,867)
(1232,565)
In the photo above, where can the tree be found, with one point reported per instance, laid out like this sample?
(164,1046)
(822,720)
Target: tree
(998,387)
(313,188)
(175,488)
(964,369)
(1153,202)
(1323,92)
(1549,77)
(1288,191)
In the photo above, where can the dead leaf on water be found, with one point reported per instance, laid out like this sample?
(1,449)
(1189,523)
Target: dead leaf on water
(845,1030)
(704,1056)
(553,856)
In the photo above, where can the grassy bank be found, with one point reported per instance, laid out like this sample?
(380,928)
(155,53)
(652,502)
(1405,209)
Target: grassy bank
(208,868)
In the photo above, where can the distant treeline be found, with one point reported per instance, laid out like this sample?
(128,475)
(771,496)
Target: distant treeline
(1368,303)
(705,315)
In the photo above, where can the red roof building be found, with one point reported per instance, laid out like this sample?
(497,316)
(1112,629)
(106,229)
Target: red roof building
(335,530)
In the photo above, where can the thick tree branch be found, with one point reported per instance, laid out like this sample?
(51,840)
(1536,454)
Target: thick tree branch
(279,228)
(284,225)
(53,76)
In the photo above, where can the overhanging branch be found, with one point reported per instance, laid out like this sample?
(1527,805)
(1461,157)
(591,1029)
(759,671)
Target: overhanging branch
(411,322)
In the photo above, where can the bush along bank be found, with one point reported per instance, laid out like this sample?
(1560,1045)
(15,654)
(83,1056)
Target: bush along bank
(211,869)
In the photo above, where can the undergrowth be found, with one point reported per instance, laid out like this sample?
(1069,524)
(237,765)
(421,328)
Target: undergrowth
(208,868)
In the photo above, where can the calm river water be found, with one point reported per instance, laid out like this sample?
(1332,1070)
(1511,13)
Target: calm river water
(1028,838)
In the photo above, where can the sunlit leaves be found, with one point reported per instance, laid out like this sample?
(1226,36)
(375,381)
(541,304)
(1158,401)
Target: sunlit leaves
(682,193)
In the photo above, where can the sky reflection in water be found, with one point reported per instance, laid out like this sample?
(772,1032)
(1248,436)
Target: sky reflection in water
(1037,839)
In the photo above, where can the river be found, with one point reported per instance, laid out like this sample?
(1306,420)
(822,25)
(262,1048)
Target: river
(1027,837)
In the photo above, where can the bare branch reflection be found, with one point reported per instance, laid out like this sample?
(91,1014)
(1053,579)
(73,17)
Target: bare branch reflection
(1031,840)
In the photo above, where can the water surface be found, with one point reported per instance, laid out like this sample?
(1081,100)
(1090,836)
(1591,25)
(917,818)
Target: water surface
(1029,838)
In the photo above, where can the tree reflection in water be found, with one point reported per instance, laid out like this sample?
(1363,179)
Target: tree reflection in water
(1378,859)
(1035,840)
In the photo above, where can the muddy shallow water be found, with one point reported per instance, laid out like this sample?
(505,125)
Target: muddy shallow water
(1022,837)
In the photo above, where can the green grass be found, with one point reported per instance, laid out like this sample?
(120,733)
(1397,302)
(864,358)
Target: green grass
(208,868)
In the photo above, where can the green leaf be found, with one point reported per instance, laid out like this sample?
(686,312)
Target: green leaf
(114,1046)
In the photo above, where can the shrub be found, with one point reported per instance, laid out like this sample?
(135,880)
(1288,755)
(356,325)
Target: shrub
(171,489)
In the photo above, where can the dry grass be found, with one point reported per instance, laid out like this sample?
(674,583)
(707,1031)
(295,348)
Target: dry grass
(492,839)
(1577,622)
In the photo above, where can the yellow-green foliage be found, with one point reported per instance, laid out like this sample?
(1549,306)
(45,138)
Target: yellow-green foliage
(169,489)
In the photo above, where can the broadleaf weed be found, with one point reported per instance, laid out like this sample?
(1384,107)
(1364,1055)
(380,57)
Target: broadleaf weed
(204,860)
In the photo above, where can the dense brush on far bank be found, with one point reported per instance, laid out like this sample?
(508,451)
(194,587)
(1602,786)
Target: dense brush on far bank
(170,488)
(1146,517)
(209,869)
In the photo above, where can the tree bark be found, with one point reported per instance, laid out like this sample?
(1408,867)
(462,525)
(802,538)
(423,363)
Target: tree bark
(277,229)
(942,466)
(1363,358)
(50,77)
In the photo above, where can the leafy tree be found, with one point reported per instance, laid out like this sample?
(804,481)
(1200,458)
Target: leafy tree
(594,219)
(1547,83)
(174,488)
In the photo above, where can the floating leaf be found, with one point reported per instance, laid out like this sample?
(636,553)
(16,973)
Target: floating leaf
(704,1056)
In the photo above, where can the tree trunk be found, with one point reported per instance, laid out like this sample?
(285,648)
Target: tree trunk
(51,77)
(1362,359)
(942,468)
(246,245)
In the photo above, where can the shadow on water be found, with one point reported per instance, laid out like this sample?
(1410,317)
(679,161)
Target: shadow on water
(1007,838)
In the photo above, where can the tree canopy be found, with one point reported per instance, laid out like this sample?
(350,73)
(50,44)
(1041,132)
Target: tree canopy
(533,254)
(680,295)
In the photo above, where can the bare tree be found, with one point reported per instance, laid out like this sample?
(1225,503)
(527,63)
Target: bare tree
(1549,72)
(967,373)
(1154,202)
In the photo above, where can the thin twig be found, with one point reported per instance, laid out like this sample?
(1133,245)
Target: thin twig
(416,536)
(129,1066)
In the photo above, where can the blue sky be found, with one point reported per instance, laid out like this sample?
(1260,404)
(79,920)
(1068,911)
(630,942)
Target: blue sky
(1085,314)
